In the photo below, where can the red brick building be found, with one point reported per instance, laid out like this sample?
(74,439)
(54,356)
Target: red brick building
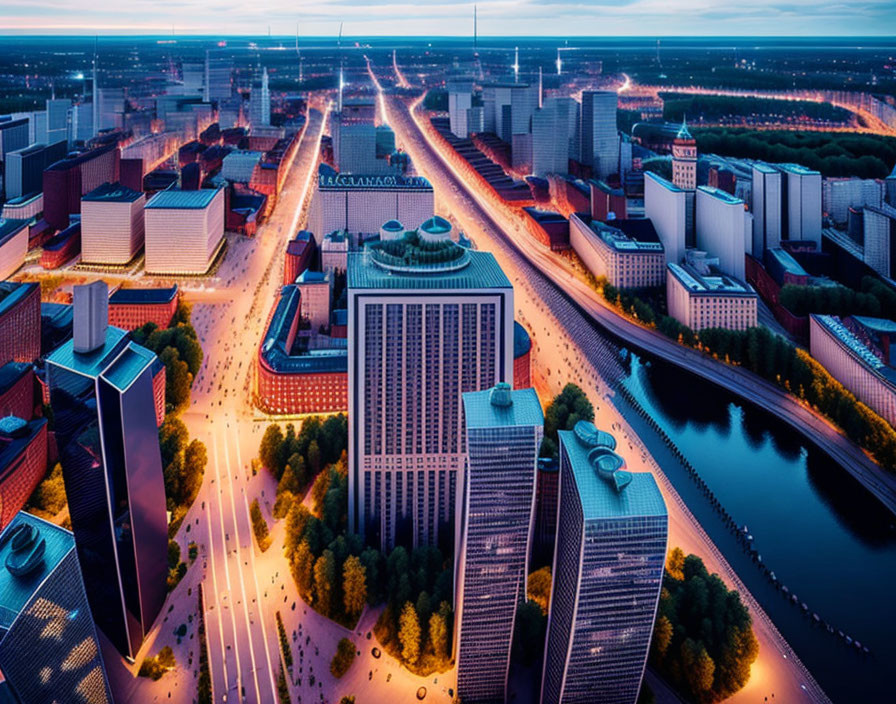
(17,390)
(300,255)
(522,362)
(19,322)
(61,247)
(129,308)
(23,463)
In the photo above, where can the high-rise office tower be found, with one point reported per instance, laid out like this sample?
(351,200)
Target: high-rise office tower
(218,78)
(57,120)
(801,203)
(260,102)
(460,102)
(102,400)
(49,646)
(600,137)
(666,206)
(684,176)
(354,139)
(766,200)
(555,136)
(608,570)
(428,320)
(504,431)
(723,229)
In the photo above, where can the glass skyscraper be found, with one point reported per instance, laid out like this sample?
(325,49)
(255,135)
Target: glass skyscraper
(428,320)
(108,441)
(608,571)
(49,647)
(504,431)
(600,136)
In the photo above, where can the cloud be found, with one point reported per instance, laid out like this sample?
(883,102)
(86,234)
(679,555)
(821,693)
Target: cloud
(442,17)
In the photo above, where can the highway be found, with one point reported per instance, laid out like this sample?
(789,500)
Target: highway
(241,633)
(566,347)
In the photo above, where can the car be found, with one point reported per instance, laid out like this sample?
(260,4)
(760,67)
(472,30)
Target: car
(389,677)
(421,693)
(376,653)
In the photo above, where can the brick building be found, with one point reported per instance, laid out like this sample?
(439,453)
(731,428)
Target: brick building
(17,390)
(23,462)
(129,308)
(19,322)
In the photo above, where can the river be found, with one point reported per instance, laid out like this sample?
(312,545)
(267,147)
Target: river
(822,534)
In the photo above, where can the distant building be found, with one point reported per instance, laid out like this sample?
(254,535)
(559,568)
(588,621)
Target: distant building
(67,180)
(607,574)
(504,430)
(292,378)
(709,301)
(19,322)
(600,136)
(684,159)
(410,310)
(13,246)
(666,206)
(239,165)
(103,401)
(879,231)
(355,139)
(854,363)
(184,230)
(460,109)
(838,195)
(130,308)
(555,136)
(112,225)
(361,204)
(49,646)
(767,192)
(218,79)
(13,136)
(23,169)
(802,203)
(260,102)
(606,200)
(549,228)
(508,109)
(629,258)
(722,229)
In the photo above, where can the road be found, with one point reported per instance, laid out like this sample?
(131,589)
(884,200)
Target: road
(229,318)
(566,347)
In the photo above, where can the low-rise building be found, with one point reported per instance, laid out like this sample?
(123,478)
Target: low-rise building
(129,308)
(61,247)
(112,226)
(854,363)
(549,228)
(627,252)
(315,289)
(300,255)
(334,251)
(709,301)
(184,231)
(13,246)
(17,390)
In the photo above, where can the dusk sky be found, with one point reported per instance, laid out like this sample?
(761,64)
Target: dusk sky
(437,17)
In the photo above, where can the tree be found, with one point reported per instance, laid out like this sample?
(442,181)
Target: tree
(409,633)
(528,635)
(293,478)
(315,458)
(166,658)
(675,564)
(423,607)
(324,582)
(296,521)
(178,379)
(567,409)
(173,438)
(698,669)
(303,569)
(373,563)
(662,635)
(259,526)
(195,462)
(354,586)
(319,492)
(173,553)
(270,446)
(343,659)
(538,588)
(438,636)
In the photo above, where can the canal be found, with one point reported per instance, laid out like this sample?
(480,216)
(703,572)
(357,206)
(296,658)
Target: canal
(814,526)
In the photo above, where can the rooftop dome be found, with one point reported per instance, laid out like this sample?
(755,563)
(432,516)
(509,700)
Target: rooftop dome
(607,464)
(391,230)
(435,229)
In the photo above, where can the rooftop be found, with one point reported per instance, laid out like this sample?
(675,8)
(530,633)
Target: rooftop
(274,352)
(176,199)
(661,181)
(764,168)
(143,295)
(128,366)
(93,363)
(112,193)
(30,549)
(522,343)
(13,293)
(710,285)
(605,489)
(9,227)
(798,169)
(630,235)
(15,435)
(411,263)
(787,261)
(720,194)
(436,225)
(501,407)
(855,346)
(313,277)
(882,325)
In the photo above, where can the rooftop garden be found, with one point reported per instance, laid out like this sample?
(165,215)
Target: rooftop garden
(411,251)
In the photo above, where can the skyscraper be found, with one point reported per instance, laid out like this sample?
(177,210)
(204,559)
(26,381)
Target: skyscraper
(600,137)
(49,647)
(555,136)
(102,400)
(608,570)
(428,320)
(260,102)
(504,431)
(766,198)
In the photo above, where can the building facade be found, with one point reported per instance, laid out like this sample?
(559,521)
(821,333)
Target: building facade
(130,308)
(17,385)
(504,431)
(23,462)
(709,301)
(112,226)
(766,194)
(104,406)
(722,229)
(879,232)
(13,246)
(802,198)
(665,205)
(600,136)
(49,646)
(184,231)
(854,365)
(607,573)
(555,136)
(626,261)
(422,330)
(19,322)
